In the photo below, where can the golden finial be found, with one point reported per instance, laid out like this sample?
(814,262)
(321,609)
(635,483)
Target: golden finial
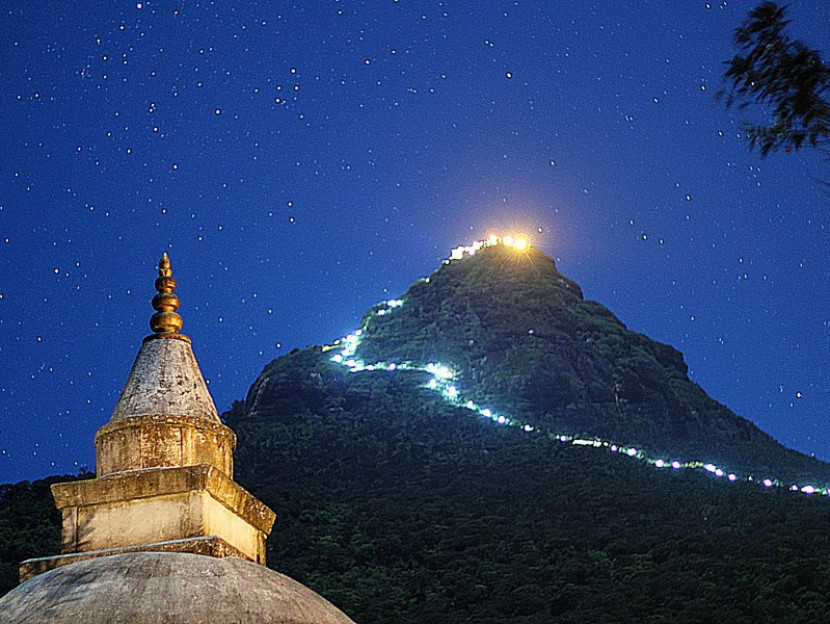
(165,320)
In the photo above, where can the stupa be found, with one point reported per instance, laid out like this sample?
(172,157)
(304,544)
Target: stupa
(162,533)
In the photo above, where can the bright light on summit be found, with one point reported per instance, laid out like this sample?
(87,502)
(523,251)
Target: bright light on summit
(518,242)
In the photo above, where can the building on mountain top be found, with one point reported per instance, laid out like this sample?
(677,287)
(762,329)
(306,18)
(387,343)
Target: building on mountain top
(519,243)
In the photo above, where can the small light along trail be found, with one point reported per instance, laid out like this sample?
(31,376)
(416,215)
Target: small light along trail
(442,380)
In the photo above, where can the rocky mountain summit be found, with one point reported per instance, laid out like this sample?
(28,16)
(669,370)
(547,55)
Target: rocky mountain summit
(518,337)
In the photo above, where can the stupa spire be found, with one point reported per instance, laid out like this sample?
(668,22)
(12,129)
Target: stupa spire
(166,320)
(164,464)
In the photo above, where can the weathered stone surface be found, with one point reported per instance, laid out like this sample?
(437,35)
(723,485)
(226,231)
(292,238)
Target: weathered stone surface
(165,380)
(140,588)
(211,546)
(162,504)
(160,441)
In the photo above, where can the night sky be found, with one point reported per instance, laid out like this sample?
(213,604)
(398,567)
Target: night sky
(303,161)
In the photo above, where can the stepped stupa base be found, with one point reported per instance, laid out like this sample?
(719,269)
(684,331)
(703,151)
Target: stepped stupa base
(211,546)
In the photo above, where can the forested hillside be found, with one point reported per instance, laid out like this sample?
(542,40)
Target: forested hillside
(413,511)
(419,476)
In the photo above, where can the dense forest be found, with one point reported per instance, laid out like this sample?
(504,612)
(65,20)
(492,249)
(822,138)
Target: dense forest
(416,512)
(29,526)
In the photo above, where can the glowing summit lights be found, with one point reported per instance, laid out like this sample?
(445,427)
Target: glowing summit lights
(442,379)
(519,243)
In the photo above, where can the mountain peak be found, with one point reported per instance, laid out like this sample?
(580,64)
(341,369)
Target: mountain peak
(504,259)
(516,337)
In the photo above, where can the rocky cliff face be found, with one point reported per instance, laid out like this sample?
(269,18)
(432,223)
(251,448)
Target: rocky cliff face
(520,338)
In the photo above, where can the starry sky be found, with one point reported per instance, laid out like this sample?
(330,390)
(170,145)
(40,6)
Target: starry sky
(301,161)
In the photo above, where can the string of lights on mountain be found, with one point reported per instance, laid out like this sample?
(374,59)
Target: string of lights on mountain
(442,381)
(301,161)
